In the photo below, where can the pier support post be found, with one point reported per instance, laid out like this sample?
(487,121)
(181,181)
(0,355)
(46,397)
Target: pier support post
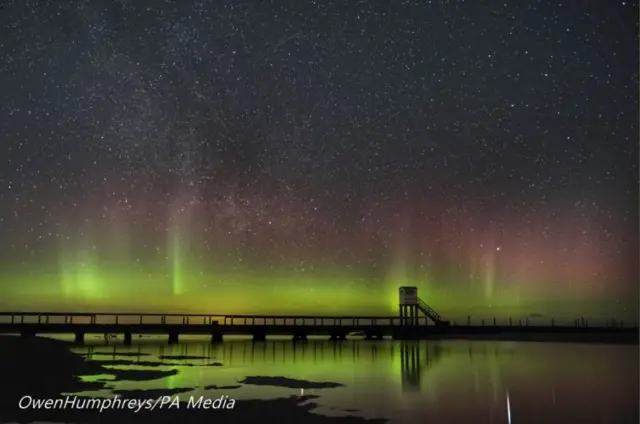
(408,307)
(79,338)
(409,315)
(173,338)
(127,338)
(259,336)
(402,318)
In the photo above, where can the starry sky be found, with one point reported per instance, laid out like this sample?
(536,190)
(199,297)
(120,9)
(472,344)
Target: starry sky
(313,156)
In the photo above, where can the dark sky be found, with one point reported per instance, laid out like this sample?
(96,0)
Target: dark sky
(484,152)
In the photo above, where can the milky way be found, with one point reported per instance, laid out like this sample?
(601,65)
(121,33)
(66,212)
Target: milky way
(313,156)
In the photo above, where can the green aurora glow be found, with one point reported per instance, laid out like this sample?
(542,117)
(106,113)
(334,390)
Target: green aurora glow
(112,270)
(84,282)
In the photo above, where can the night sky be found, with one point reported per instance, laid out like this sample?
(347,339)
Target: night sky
(303,157)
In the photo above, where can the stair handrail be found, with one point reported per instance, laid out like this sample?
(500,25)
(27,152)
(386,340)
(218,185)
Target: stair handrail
(428,309)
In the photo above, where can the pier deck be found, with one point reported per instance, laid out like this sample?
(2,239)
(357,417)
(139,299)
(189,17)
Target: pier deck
(299,327)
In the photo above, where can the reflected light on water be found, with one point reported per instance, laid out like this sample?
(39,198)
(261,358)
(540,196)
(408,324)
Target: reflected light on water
(508,409)
(452,381)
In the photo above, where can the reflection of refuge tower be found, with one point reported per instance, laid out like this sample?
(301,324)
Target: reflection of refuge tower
(411,305)
(410,364)
(416,358)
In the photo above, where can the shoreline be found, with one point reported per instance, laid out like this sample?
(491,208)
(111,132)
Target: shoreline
(44,368)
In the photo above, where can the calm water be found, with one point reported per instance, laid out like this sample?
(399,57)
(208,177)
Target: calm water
(426,382)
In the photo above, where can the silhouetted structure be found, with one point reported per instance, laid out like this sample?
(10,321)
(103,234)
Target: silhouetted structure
(411,304)
(408,325)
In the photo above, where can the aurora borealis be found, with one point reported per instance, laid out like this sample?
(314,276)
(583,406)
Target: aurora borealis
(311,157)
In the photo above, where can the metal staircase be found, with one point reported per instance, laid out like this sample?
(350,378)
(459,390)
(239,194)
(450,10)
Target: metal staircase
(430,313)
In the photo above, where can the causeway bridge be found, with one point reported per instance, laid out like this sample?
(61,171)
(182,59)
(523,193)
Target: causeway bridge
(416,320)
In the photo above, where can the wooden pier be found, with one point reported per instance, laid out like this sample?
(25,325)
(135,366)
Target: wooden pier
(298,327)
(416,320)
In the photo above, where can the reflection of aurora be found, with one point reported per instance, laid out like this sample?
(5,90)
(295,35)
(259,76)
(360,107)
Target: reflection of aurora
(417,376)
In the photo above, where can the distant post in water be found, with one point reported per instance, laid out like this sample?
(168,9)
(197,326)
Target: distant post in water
(408,306)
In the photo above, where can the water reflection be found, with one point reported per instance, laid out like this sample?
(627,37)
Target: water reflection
(409,360)
(448,381)
(415,359)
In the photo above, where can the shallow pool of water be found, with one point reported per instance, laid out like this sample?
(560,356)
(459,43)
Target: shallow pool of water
(405,382)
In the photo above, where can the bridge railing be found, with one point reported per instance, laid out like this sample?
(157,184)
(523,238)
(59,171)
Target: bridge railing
(289,320)
(544,322)
(193,319)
